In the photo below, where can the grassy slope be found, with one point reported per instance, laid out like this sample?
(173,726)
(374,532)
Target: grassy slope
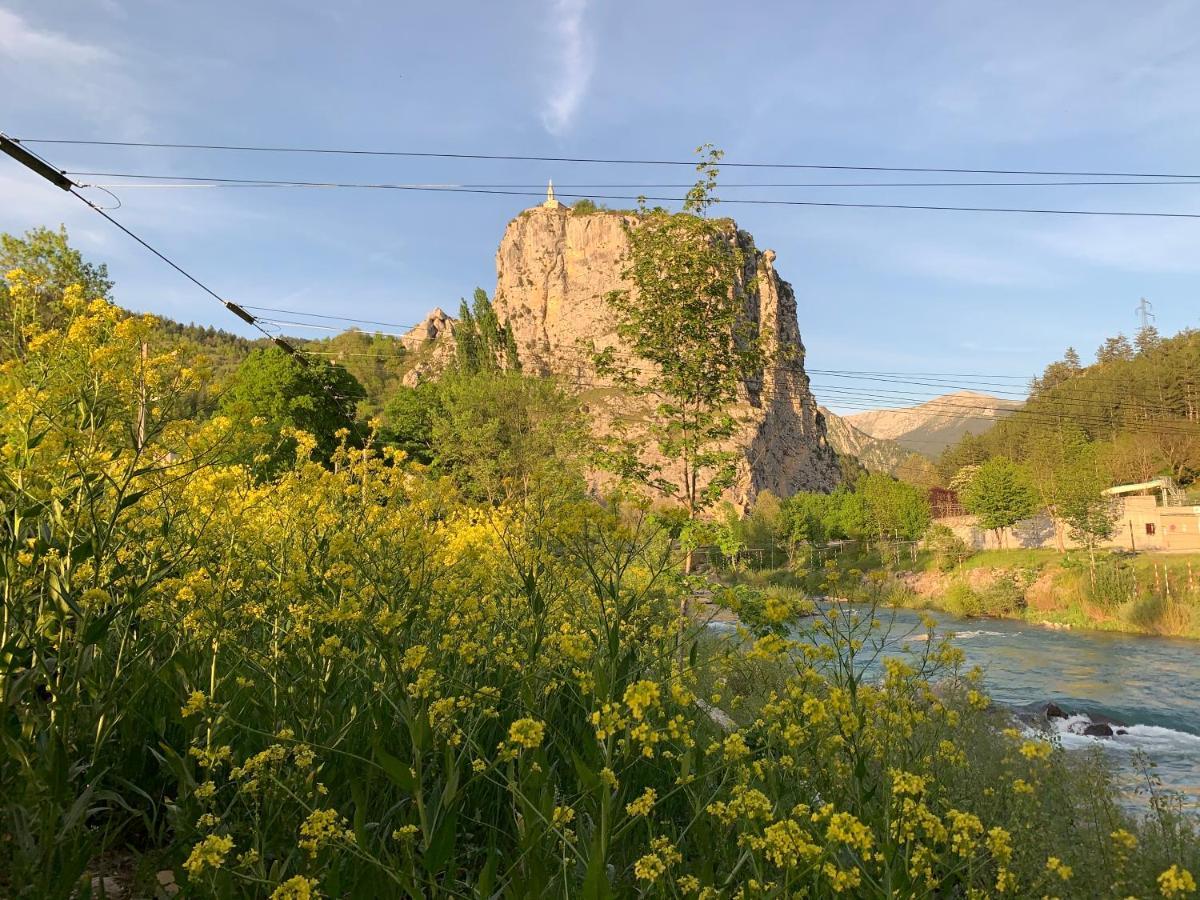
(1130,593)
(1056,588)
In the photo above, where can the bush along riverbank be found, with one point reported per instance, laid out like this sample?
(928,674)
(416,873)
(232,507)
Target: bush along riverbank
(1145,593)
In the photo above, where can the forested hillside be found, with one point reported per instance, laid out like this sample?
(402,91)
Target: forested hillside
(1135,411)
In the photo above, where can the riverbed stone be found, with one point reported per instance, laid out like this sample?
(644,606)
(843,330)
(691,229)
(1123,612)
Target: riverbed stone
(1054,711)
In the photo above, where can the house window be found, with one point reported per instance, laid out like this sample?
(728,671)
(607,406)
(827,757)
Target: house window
(1149,528)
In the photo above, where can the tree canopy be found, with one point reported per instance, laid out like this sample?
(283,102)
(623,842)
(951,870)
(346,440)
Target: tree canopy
(273,393)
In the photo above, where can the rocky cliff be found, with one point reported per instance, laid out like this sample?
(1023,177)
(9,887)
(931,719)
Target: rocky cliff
(876,454)
(430,346)
(554,270)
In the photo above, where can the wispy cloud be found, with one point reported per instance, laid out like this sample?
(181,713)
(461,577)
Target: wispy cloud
(64,74)
(575,59)
(22,41)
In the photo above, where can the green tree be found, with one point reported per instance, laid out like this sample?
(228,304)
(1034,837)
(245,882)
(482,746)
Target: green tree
(467,352)
(481,343)
(692,343)
(1114,349)
(970,451)
(895,511)
(1050,458)
(504,435)
(52,265)
(49,266)
(1089,513)
(1001,493)
(273,392)
(409,415)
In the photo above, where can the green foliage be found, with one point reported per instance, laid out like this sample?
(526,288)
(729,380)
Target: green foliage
(506,434)
(1139,405)
(273,394)
(895,511)
(378,362)
(1090,515)
(496,434)
(481,343)
(948,549)
(52,265)
(970,451)
(1000,493)
(879,508)
(692,346)
(1004,595)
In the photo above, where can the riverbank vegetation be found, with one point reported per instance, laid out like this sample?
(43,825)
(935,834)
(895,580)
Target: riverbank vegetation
(249,660)
(883,532)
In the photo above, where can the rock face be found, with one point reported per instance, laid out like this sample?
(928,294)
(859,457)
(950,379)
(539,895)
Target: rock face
(875,454)
(554,270)
(430,346)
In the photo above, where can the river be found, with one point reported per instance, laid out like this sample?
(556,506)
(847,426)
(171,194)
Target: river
(1150,684)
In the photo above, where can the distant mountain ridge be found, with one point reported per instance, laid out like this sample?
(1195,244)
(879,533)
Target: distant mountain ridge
(931,427)
(875,454)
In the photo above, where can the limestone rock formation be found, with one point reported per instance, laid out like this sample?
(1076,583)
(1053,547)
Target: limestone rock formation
(554,270)
(430,347)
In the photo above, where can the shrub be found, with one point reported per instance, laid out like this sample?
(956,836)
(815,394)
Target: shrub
(1004,596)
(948,549)
(961,600)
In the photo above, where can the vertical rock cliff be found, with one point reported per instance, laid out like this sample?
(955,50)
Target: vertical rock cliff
(554,270)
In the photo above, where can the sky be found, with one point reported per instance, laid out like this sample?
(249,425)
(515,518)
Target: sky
(1076,86)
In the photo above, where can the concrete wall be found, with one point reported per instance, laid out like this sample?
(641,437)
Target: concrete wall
(1141,524)
(1180,527)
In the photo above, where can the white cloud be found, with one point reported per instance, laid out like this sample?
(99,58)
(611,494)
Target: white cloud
(576,61)
(21,41)
(66,76)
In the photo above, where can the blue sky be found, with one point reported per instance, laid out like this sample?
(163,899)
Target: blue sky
(1076,86)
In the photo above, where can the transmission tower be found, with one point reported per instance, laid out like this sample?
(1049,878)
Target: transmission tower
(1143,312)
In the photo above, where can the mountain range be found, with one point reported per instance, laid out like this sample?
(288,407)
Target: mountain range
(931,427)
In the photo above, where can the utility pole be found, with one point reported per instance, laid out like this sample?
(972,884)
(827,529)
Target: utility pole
(141,424)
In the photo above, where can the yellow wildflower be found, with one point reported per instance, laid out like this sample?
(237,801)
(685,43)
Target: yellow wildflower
(296,888)
(210,853)
(1175,882)
(323,826)
(197,703)
(643,804)
(527,733)
(1056,865)
(641,696)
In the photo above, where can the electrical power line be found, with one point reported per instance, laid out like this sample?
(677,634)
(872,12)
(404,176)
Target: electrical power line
(195,181)
(43,167)
(297,312)
(741,201)
(508,157)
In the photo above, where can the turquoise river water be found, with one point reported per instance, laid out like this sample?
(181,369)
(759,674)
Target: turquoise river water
(1150,686)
